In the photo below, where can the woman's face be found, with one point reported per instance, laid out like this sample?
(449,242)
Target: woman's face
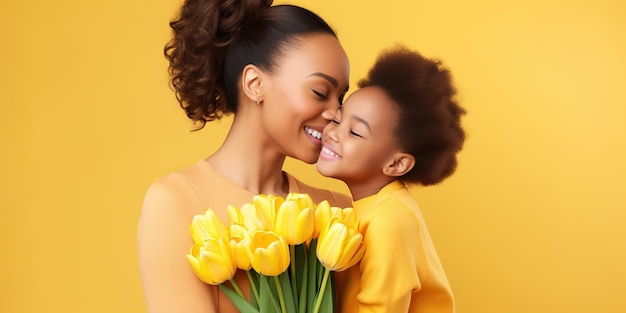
(359,141)
(303,93)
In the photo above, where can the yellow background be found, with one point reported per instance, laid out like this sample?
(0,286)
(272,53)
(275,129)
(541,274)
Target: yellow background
(534,220)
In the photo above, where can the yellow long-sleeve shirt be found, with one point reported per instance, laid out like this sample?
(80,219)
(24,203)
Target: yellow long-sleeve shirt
(400,271)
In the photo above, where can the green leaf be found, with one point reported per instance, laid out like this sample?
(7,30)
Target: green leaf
(303,263)
(314,278)
(324,302)
(294,278)
(290,302)
(268,297)
(301,272)
(320,273)
(328,302)
(253,279)
(240,302)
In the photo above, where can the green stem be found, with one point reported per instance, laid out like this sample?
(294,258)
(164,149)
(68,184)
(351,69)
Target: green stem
(292,265)
(253,286)
(303,293)
(318,303)
(281,296)
(236,287)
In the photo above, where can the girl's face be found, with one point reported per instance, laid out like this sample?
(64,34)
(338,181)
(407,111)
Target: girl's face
(303,93)
(359,141)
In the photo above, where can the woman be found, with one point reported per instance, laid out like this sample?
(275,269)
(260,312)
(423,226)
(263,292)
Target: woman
(282,72)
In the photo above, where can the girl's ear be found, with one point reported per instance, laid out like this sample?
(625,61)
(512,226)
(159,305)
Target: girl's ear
(251,80)
(400,164)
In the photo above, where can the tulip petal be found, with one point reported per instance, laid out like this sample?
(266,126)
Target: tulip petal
(268,261)
(199,229)
(331,243)
(349,251)
(269,253)
(218,263)
(323,214)
(266,211)
(216,226)
(207,226)
(355,258)
(250,217)
(195,265)
(304,226)
(302,199)
(239,253)
(285,221)
(238,232)
(349,217)
(212,262)
(234,215)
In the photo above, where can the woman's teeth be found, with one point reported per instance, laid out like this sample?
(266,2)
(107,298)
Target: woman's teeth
(313,133)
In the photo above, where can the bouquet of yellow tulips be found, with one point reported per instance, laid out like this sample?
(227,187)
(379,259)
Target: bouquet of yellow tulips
(287,246)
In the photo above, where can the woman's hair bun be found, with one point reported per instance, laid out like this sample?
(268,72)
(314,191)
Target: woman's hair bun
(236,16)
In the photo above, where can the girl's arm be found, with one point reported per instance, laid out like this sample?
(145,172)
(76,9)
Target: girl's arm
(389,275)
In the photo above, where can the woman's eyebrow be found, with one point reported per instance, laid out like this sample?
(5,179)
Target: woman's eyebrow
(327,77)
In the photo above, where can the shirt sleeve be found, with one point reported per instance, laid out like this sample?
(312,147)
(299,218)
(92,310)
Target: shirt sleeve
(163,240)
(388,268)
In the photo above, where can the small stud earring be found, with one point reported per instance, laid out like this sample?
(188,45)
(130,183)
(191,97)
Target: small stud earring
(258,101)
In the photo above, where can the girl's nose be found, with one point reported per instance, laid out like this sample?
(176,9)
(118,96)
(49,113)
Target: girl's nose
(331,133)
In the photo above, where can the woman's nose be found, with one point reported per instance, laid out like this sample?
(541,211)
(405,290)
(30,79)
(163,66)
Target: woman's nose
(328,114)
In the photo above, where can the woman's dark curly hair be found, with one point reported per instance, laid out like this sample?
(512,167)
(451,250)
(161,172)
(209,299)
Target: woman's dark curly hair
(213,40)
(429,117)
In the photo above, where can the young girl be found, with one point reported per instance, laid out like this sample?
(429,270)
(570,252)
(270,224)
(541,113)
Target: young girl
(282,72)
(401,127)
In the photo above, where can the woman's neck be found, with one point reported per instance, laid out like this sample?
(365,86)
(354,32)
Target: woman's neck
(250,160)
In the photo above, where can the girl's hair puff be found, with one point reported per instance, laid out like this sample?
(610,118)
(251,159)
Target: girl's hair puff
(429,117)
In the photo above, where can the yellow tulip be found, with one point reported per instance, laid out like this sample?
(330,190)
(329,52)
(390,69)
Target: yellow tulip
(212,261)
(323,214)
(348,218)
(303,199)
(340,245)
(234,215)
(207,226)
(268,253)
(258,215)
(239,241)
(295,220)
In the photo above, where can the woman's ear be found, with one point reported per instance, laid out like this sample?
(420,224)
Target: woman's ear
(400,164)
(251,80)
